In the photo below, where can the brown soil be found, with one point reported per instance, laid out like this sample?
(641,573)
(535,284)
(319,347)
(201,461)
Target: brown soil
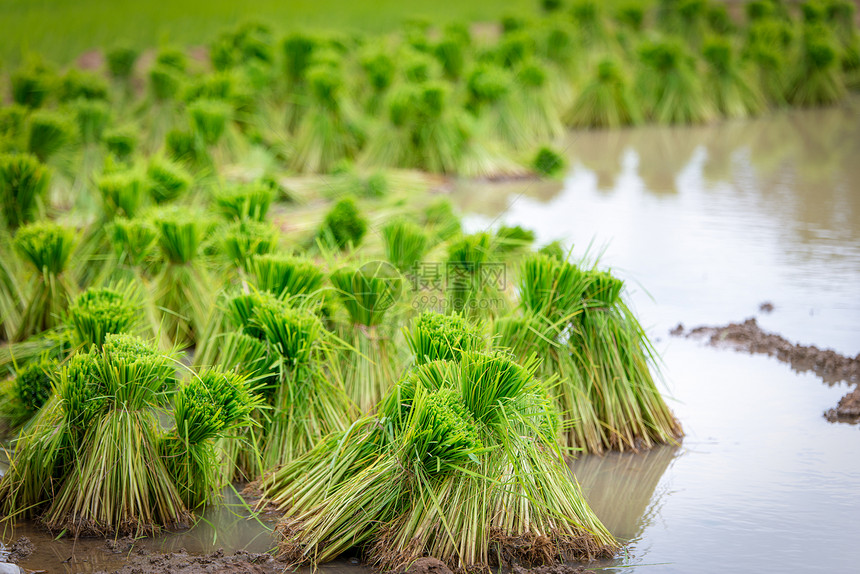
(553,569)
(20,549)
(143,562)
(428,566)
(826,363)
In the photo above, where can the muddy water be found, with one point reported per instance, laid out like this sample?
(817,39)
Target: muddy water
(712,222)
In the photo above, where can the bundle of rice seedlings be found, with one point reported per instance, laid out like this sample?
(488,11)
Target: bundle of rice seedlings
(243,240)
(490,99)
(249,43)
(450,52)
(606,101)
(98,312)
(120,61)
(436,337)
(49,132)
(46,247)
(32,83)
(31,389)
(768,44)
(81,84)
(405,243)
(732,88)
(368,293)
(209,119)
(817,79)
(630,15)
(548,162)
(182,289)
(90,459)
(121,193)
(24,181)
(458,464)
(166,180)
(379,68)
(134,242)
(92,117)
(343,226)
(183,146)
(440,219)
(327,133)
(475,277)
(758,10)
(244,201)
(669,84)
(840,15)
(286,276)
(591,24)
(121,141)
(298,49)
(209,406)
(164,82)
(534,101)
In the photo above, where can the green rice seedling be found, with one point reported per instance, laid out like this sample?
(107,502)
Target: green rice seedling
(13,120)
(554,250)
(591,23)
(81,84)
(286,276)
(96,313)
(92,117)
(31,388)
(758,10)
(534,102)
(32,83)
(551,6)
(183,287)
(327,133)
(514,48)
(24,181)
(368,293)
(475,277)
(490,99)
(840,15)
(732,88)
(249,43)
(173,58)
(687,20)
(509,240)
(450,52)
(121,61)
(720,22)
(436,337)
(457,464)
(547,162)
(817,79)
(243,240)
(767,44)
(133,240)
(208,406)
(669,85)
(308,400)
(49,132)
(46,247)
(298,49)
(606,101)
(379,69)
(166,180)
(121,141)
(405,243)
(164,82)
(122,193)
(440,219)
(631,15)
(851,65)
(343,225)
(183,146)
(209,119)
(244,201)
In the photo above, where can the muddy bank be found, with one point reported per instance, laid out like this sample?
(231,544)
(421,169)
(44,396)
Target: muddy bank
(141,561)
(825,363)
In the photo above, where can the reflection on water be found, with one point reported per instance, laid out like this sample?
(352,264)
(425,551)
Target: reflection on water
(621,487)
(712,221)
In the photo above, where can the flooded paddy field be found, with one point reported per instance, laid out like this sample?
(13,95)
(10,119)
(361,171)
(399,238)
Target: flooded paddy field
(706,224)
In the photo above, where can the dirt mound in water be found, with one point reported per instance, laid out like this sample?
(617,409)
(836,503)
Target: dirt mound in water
(19,550)
(826,363)
(552,569)
(143,562)
(428,566)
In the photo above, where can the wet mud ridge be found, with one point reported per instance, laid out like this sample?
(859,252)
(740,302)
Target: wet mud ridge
(826,363)
(141,561)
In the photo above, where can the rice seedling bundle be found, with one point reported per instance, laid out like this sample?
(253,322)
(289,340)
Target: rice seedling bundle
(591,23)
(490,98)
(243,240)
(182,288)
(121,141)
(96,313)
(46,248)
(606,101)
(248,43)
(343,226)
(32,83)
(298,50)
(548,162)
(817,78)
(840,16)
(732,88)
(49,132)
(133,240)
(379,68)
(31,388)
(183,146)
(121,61)
(370,366)
(670,86)
(441,220)
(458,464)
(166,180)
(326,133)
(210,118)
(768,44)
(475,277)
(244,201)
(286,276)
(24,181)
(630,15)
(164,82)
(450,52)
(436,337)
(405,243)
(92,117)
(122,193)
(534,101)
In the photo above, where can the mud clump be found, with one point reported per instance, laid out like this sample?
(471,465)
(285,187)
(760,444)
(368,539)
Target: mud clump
(143,562)
(427,565)
(19,550)
(552,569)
(826,363)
